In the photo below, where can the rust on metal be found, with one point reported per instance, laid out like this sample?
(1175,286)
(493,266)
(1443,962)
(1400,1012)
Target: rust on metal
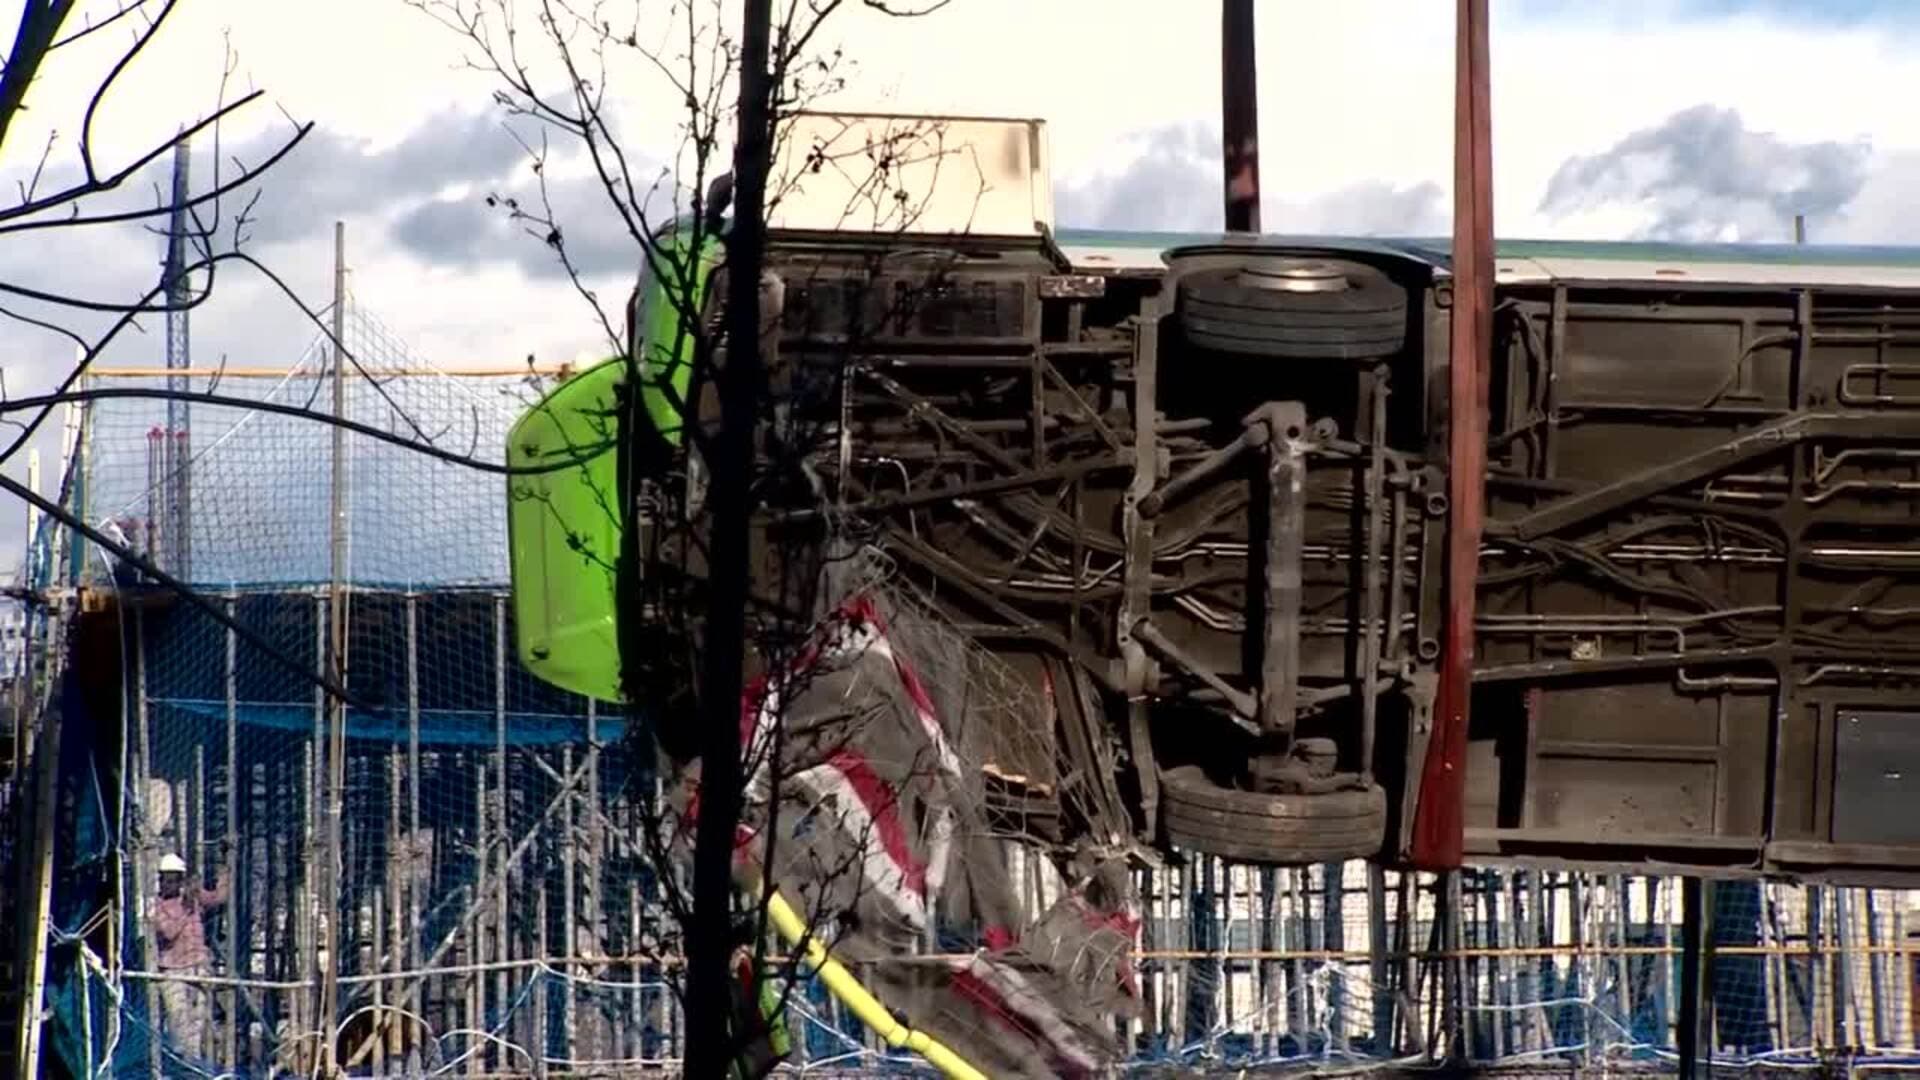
(1439,829)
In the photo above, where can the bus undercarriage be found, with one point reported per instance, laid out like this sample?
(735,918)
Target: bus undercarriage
(1216,495)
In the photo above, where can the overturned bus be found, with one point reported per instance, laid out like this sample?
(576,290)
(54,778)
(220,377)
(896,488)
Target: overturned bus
(1196,489)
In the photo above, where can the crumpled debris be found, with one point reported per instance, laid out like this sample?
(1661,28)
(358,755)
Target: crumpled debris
(880,836)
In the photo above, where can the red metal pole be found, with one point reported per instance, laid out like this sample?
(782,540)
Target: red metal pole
(1439,821)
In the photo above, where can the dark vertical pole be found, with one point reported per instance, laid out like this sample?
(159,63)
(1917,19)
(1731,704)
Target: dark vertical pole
(1438,828)
(1447,906)
(234,838)
(178,494)
(1692,981)
(1203,971)
(1239,116)
(730,457)
(1333,941)
(1379,979)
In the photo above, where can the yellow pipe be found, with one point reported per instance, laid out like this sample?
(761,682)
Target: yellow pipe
(842,985)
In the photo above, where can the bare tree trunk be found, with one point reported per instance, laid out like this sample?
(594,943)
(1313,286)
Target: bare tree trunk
(709,1045)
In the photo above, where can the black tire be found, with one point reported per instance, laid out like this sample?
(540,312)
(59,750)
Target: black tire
(1366,319)
(1286,830)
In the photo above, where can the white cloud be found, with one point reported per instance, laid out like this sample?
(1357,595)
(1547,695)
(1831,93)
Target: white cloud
(1172,184)
(1703,175)
(1883,210)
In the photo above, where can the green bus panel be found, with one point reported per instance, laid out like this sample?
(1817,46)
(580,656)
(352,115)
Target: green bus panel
(563,534)
(563,527)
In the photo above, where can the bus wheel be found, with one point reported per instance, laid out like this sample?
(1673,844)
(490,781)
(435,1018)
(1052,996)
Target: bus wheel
(1295,308)
(1290,830)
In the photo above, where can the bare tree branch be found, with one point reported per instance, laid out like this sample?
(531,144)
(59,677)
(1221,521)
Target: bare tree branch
(33,39)
(95,184)
(28,187)
(95,27)
(113,75)
(247,176)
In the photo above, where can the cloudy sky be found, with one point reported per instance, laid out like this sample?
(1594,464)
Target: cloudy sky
(1681,119)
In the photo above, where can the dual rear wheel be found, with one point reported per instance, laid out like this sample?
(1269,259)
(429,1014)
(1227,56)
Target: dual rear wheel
(1252,826)
(1295,309)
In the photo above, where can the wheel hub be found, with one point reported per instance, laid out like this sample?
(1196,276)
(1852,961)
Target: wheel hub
(1294,275)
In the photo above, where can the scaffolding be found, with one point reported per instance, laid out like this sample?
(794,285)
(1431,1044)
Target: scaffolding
(496,911)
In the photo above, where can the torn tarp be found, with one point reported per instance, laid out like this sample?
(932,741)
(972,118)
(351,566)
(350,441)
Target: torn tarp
(866,789)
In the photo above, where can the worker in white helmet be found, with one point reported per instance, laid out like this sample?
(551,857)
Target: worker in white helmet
(180,940)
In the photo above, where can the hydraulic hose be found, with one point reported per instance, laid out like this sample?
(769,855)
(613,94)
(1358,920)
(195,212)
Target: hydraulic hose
(848,991)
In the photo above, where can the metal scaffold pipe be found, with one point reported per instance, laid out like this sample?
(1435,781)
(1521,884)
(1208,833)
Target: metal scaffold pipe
(336,748)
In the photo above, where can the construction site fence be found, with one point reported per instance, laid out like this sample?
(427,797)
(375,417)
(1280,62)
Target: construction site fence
(1822,977)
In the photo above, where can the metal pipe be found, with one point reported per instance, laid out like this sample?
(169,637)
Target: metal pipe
(1825,465)
(502,827)
(393,906)
(312,782)
(590,882)
(179,413)
(1242,702)
(156,481)
(1694,988)
(233,847)
(635,1035)
(1886,671)
(1286,528)
(30,578)
(1180,999)
(1686,683)
(1397,575)
(1453,970)
(541,984)
(1621,900)
(1137,531)
(1501,931)
(1373,385)
(1378,979)
(1333,939)
(1254,434)
(571,946)
(1821,1026)
(1884,373)
(1877,985)
(69,559)
(1239,117)
(336,751)
(413,781)
(476,929)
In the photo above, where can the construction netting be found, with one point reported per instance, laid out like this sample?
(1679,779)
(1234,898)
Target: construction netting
(499,902)
(251,490)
